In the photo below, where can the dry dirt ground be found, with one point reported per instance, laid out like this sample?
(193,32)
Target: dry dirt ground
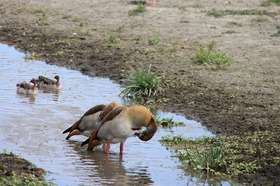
(100,38)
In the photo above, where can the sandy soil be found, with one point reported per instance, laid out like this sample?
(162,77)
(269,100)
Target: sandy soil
(100,38)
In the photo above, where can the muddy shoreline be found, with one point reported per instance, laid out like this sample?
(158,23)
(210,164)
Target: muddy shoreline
(101,39)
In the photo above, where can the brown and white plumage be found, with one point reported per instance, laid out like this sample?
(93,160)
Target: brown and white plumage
(90,120)
(46,83)
(121,123)
(27,88)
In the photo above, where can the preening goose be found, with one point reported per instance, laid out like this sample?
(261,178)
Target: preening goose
(121,123)
(90,120)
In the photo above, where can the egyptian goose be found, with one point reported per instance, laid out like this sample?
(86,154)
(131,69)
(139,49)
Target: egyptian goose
(90,120)
(121,123)
(46,83)
(27,88)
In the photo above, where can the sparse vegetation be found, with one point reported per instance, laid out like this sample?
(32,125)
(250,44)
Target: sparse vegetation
(277,34)
(154,40)
(260,19)
(221,13)
(233,23)
(113,38)
(38,11)
(210,56)
(231,155)
(16,171)
(168,122)
(141,8)
(270,2)
(142,83)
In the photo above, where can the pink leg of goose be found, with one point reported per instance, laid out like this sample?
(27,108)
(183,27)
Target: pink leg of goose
(121,148)
(107,148)
(153,3)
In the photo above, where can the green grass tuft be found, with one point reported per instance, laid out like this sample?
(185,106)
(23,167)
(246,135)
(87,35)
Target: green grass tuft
(209,56)
(154,40)
(141,8)
(168,122)
(142,83)
(270,2)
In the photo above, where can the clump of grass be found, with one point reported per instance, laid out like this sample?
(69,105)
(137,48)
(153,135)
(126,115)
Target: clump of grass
(142,83)
(215,13)
(38,11)
(210,56)
(154,40)
(141,8)
(259,19)
(233,23)
(270,2)
(168,122)
(167,140)
(209,159)
(113,38)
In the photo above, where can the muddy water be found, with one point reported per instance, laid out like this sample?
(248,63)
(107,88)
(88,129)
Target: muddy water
(31,126)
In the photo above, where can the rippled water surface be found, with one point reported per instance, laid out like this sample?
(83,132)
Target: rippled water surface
(31,126)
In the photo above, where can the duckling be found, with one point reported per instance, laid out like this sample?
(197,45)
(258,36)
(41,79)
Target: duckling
(27,88)
(46,83)
(90,120)
(121,123)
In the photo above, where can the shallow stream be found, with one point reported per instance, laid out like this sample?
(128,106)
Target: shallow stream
(31,126)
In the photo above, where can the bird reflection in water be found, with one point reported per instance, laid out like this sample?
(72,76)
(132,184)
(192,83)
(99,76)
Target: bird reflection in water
(105,169)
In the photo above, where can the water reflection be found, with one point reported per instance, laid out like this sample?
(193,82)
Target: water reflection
(110,168)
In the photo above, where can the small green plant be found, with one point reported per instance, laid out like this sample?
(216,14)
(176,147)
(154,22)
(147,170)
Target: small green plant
(209,56)
(174,140)
(142,83)
(38,11)
(215,13)
(259,19)
(175,45)
(141,8)
(209,159)
(154,40)
(113,38)
(168,122)
(269,2)
(233,23)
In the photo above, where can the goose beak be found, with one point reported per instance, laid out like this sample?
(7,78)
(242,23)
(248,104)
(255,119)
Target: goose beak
(74,132)
(92,144)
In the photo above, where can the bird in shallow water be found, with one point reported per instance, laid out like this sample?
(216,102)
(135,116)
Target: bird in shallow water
(46,83)
(27,88)
(121,123)
(90,120)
